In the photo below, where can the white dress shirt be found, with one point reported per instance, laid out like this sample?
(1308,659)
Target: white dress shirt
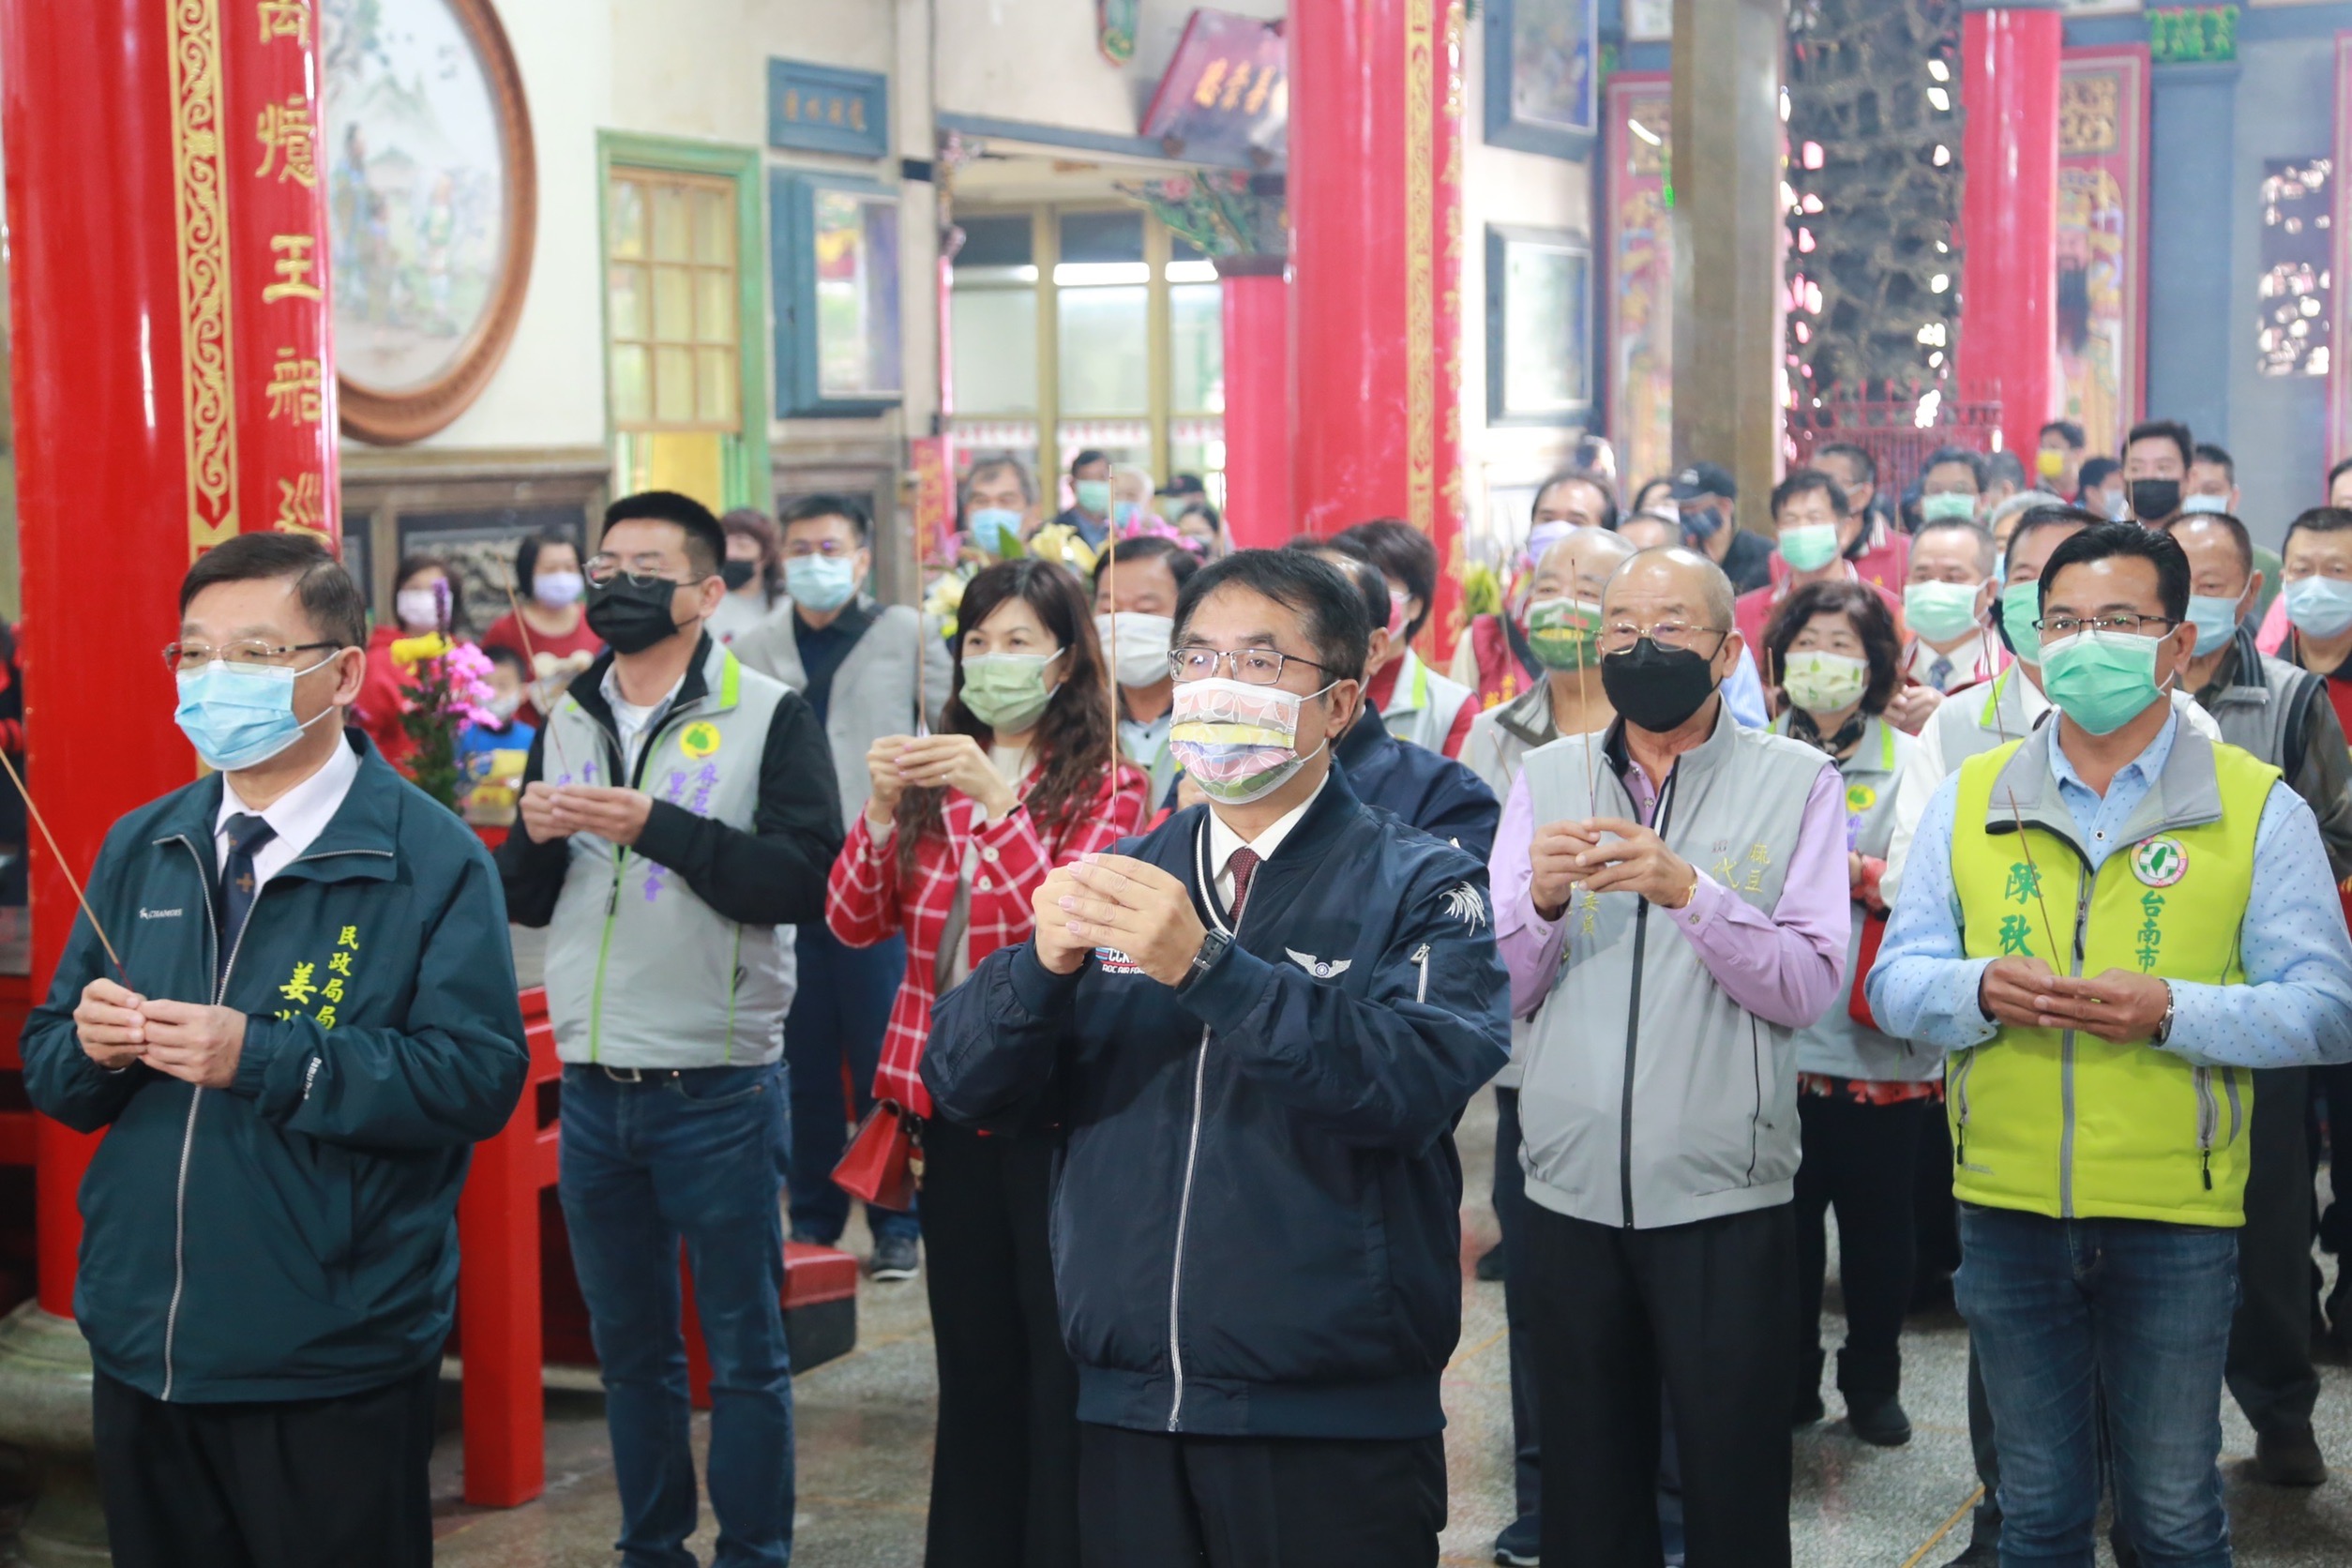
(1980,657)
(1224,841)
(298,817)
(632,720)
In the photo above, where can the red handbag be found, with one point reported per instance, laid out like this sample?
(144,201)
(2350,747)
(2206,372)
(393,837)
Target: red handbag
(1873,931)
(883,1163)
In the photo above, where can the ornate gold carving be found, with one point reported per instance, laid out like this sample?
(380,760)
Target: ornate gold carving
(2090,108)
(200,189)
(1421,113)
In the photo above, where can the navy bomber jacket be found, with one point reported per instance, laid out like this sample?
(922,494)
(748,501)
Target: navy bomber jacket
(1255,1217)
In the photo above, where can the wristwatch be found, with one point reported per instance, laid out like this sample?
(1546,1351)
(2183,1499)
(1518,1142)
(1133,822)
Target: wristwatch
(1212,946)
(2163,1025)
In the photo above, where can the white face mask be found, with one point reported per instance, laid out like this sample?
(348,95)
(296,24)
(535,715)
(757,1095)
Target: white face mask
(1139,650)
(418,609)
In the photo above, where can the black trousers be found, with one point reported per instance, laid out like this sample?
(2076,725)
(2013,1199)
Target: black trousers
(1704,1309)
(1158,1500)
(2269,1370)
(1858,1159)
(1936,1214)
(330,1483)
(1004,1471)
(1511,1205)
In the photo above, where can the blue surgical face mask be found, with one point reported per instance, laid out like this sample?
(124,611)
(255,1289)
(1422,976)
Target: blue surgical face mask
(1125,514)
(2021,606)
(997,530)
(2320,606)
(237,715)
(2217,505)
(821,582)
(2216,620)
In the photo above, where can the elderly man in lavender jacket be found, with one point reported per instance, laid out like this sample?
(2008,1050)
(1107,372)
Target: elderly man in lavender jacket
(1671,904)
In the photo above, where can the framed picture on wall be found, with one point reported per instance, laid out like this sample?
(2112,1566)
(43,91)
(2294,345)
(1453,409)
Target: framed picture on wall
(1543,71)
(433,205)
(835,254)
(1539,326)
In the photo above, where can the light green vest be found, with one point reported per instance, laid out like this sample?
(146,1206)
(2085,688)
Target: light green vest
(2066,1124)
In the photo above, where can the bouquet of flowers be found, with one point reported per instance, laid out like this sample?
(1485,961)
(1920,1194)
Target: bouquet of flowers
(447,687)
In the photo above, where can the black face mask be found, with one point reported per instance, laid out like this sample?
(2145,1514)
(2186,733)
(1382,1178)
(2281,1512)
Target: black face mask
(629,616)
(1701,524)
(1656,688)
(737,574)
(2154,500)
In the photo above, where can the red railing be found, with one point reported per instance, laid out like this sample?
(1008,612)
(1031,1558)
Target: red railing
(1884,421)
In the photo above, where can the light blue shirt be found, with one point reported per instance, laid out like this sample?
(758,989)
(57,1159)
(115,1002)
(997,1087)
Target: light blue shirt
(2294,1010)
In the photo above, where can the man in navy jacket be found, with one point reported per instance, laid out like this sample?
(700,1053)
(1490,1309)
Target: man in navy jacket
(1257,1028)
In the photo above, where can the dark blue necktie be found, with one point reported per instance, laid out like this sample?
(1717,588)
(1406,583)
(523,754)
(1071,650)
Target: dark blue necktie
(238,883)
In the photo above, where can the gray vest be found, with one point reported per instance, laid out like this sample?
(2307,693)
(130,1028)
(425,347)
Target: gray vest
(2266,706)
(1834,1044)
(1708,1125)
(639,972)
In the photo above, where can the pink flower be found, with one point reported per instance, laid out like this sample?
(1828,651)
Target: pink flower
(1177,187)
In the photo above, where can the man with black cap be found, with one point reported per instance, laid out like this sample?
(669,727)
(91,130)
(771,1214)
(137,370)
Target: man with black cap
(1709,499)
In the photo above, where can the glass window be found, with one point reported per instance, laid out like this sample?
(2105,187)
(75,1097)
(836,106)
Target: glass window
(671,285)
(1102,236)
(1105,349)
(996,241)
(857,294)
(995,350)
(1195,349)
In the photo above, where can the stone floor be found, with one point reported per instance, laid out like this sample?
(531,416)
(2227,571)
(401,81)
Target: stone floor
(864,1424)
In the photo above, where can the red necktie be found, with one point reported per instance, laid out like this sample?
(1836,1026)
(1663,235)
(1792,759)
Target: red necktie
(1244,865)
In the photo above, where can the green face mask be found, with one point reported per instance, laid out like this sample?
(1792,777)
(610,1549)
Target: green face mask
(1808,547)
(1947,506)
(1008,692)
(2101,680)
(1562,632)
(2020,607)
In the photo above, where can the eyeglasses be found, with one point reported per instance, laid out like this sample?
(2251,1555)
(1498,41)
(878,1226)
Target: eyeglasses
(1619,636)
(642,572)
(832,549)
(2056,627)
(1250,666)
(186,658)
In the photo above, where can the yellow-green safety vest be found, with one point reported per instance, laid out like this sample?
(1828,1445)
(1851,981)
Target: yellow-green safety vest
(2067,1124)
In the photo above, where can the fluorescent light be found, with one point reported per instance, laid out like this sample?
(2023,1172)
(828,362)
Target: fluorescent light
(1080,275)
(1646,133)
(1192,272)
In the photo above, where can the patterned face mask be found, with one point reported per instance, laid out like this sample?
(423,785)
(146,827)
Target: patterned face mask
(1238,741)
(1563,633)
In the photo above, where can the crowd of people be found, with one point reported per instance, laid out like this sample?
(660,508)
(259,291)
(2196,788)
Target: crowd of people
(1162,908)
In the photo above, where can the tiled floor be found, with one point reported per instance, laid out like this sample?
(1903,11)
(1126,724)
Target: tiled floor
(865,1453)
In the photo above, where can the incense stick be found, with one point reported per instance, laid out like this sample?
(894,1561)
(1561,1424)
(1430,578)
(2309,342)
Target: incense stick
(1110,655)
(64,867)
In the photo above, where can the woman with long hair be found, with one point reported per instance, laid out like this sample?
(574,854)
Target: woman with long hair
(961,830)
(1867,1101)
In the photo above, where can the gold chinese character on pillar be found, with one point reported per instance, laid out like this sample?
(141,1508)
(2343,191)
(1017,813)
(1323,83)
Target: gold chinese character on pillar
(294,388)
(285,19)
(289,142)
(294,267)
(301,505)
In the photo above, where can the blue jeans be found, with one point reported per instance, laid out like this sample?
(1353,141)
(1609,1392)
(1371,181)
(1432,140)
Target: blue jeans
(2064,1312)
(838,1019)
(644,1165)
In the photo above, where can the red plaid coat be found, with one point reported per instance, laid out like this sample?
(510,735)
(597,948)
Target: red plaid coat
(868,900)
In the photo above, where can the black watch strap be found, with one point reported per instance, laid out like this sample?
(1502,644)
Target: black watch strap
(1212,946)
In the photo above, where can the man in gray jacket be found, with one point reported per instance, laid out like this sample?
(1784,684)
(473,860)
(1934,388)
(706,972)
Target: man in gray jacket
(675,810)
(1671,913)
(866,671)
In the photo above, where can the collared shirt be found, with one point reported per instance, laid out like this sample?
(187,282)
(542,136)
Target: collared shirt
(1223,840)
(631,721)
(2295,1005)
(298,817)
(1784,967)
(1141,739)
(1979,658)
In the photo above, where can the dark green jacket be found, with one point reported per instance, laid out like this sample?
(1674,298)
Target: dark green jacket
(294,1236)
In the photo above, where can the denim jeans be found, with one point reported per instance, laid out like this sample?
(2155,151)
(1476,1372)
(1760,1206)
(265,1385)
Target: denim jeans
(644,1165)
(838,1019)
(2064,1312)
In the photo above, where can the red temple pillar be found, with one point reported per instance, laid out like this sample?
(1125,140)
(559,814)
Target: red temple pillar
(1256,316)
(2009,85)
(174,384)
(1375,249)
